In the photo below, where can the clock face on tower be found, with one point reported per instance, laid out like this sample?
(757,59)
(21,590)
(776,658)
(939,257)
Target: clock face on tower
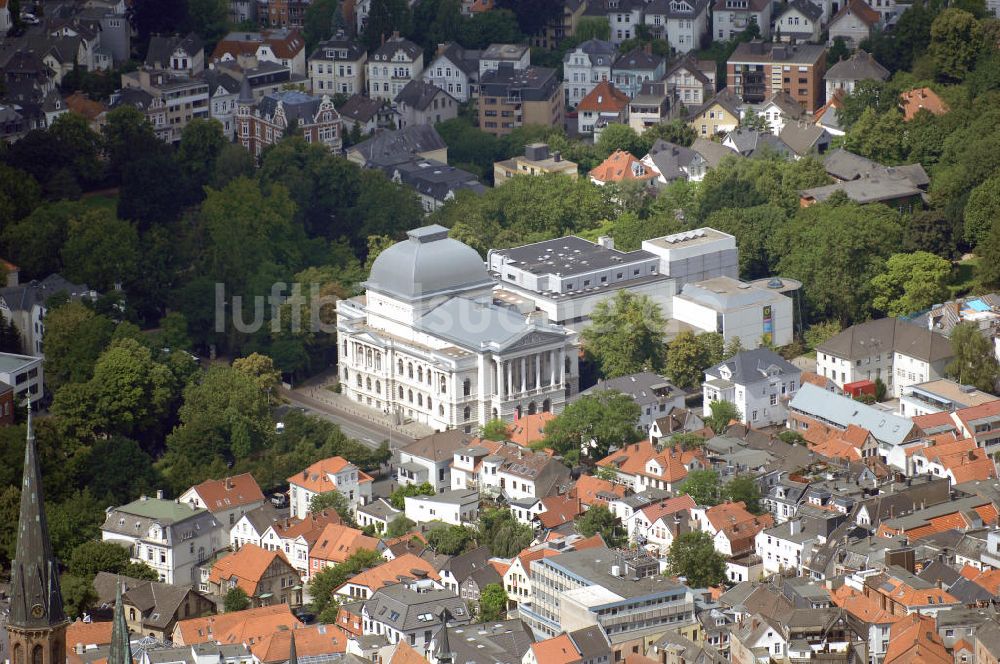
(37,611)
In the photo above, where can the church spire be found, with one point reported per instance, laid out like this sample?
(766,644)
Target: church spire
(442,650)
(35,598)
(121,646)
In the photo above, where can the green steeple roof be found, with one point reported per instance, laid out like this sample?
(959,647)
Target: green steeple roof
(121,646)
(35,598)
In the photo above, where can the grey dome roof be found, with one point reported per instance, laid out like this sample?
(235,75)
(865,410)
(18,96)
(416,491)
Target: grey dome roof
(427,263)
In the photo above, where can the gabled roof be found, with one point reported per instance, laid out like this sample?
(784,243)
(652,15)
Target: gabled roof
(529,428)
(858,8)
(419,94)
(601,53)
(236,627)
(360,108)
(861,66)
(284,43)
(310,641)
(161,48)
(406,566)
(751,366)
(317,477)
(441,446)
(337,542)
(394,44)
(247,567)
(691,65)
(724,98)
(914,101)
(621,166)
(595,491)
(229,492)
(604,98)
(804,137)
(387,147)
(465,59)
(639,59)
(557,650)
(915,640)
(713,152)
(808,9)
(559,510)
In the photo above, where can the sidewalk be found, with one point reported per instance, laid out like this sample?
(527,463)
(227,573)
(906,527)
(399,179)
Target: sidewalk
(341,403)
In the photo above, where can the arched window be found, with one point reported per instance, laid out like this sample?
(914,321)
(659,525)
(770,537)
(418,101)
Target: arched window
(495,414)
(409,396)
(378,386)
(400,368)
(467,412)
(429,381)
(546,406)
(420,400)
(429,404)
(420,374)
(532,408)
(409,369)
(368,357)
(18,654)
(440,410)
(359,380)
(37,656)
(442,384)
(368,383)
(400,391)
(466,387)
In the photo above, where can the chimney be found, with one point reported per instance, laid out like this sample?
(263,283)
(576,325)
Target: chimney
(229,484)
(557,156)
(143,498)
(794,527)
(606,242)
(159,494)
(79,649)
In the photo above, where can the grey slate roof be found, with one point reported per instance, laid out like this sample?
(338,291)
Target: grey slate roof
(888,335)
(161,48)
(465,59)
(753,143)
(533,83)
(339,44)
(638,60)
(806,8)
(842,411)
(590,642)
(491,643)
(690,64)
(725,98)
(262,517)
(750,366)
(298,105)
(670,159)
(644,387)
(419,94)
(859,67)
(360,108)
(388,147)
(25,296)
(405,609)
(602,53)
(434,179)
(387,50)
(380,509)
(160,601)
(713,152)
(805,137)
(845,165)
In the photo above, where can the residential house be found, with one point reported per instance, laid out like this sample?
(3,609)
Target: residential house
(805,138)
(152,608)
(902,593)
(752,313)
(585,66)
(250,528)
(642,466)
(422,103)
(588,645)
(391,66)
(867,611)
(366,114)
(529,429)
(455,70)
(26,375)
(504,56)
(386,148)
(846,74)
(781,547)
(828,116)
(753,143)
(590,491)
(853,23)
(468,573)
(265,122)
(683,23)
(177,55)
(622,166)
(921,99)
(654,394)
(915,639)
(412,613)
(759,382)
(458,507)
(503,642)
(719,115)
(561,26)
(265,576)
(891,190)
(332,474)
(636,67)
(227,499)
(337,66)
(536,160)
(335,544)
(429,459)
(758,70)
(732,527)
(434,182)
(511,98)
(691,82)
(652,106)
(403,568)
(624,17)
(601,106)
(799,21)
(296,537)
(171,537)
(223,93)
(894,351)
(780,110)
(659,523)
(732,17)
(280,45)
(235,626)
(508,470)
(959,461)
(940,396)
(378,514)
(183,99)
(677,420)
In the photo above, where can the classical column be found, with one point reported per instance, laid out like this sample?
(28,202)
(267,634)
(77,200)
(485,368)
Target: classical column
(538,370)
(506,379)
(524,375)
(562,365)
(553,358)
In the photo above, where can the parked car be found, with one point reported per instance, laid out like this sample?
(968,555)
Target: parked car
(279,500)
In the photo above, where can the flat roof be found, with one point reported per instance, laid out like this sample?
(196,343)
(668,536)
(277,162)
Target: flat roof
(964,395)
(568,256)
(594,566)
(692,238)
(11,362)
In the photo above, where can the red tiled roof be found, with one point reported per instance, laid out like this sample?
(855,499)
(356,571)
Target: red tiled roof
(311,641)
(241,43)
(915,639)
(389,572)
(316,478)
(529,429)
(621,166)
(236,627)
(559,510)
(912,102)
(588,487)
(668,507)
(604,98)
(247,566)
(224,494)
(557,650)
(337,542)
(860,9)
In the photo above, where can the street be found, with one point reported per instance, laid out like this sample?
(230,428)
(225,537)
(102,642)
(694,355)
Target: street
(369,433)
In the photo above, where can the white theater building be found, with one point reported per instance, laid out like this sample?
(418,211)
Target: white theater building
(427,341)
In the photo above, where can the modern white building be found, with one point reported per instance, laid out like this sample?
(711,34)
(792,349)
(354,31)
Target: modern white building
(25,374)
(940,396)
(456,507)
(495,56)
(428,343)
(759,382)
(695,255)
(683,23)
(173,538)
(736,310)
(781,547)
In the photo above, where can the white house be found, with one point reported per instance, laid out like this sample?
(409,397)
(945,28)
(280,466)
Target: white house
(412,612)
(585,66)
(759,382)
(731,17)
(658,523)
(337,66)
(781,547)
(691,81)
(25,374)
(394,64)
(625,17)
(456,507)
(736,309)
(295,537)
(227,499)
(507,470)
(683,23)
(333,474)
(455,70)
(853,23)
(379,514)
(799,21)
(250,528)
(846,74)
(173,538)
(779,110)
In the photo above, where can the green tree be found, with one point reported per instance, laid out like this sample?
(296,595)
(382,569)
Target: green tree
(495,429)
(128,134)
(974,362)
(837,52)
(399,527)
(386,207)
(201,144)
(875,95)
(982,208)
(723,412)
(693,556)
(74,338)
(233,161)
(174,332)
(318,22)
(956,40)
(34,242)
(492,603)
(450,540)
(323,584)
(687,441)
(19,193)
(78,595)
(626,335)
(618,137)
(703,486)
(148,194)
(384,18)
(819,333)
(397,497)
(675,131)
(596,421)
(878,136)
(101,250)
(599,520)
(208,19)
(745,489)
(502,533)
(592,27)
(236,600)
(911,283)
(261,368)
(686,360)
(95,556)
(337,502)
